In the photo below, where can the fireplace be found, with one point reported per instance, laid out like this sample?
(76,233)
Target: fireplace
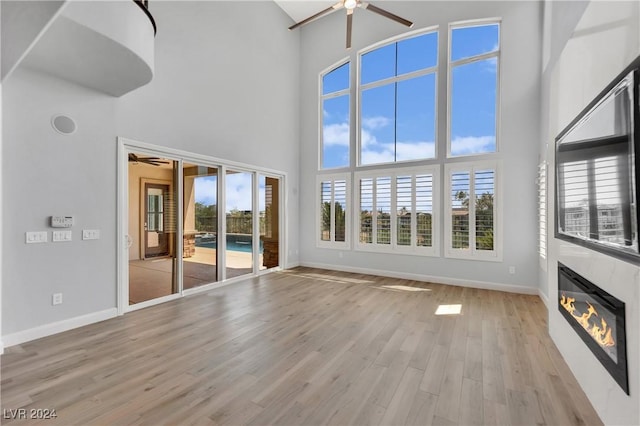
(598,318)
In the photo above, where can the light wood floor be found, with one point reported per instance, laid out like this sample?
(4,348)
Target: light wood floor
(306,347)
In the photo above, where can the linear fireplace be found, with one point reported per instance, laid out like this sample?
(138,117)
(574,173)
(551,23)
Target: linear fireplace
(598,318)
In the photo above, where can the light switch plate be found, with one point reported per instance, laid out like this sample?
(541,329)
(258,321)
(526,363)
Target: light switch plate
(90,234)
(36,237)
(61,236)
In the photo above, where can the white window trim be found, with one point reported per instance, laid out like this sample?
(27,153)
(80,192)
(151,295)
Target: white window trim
(452,64)
(331,95)
(360,87)
(543,220)
(471,253)
(393,173)
(346,244)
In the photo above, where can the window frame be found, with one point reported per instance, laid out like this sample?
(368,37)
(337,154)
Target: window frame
(332,244)
(359,88)
(464,61)
(393,247)
(472,253)
(322,97)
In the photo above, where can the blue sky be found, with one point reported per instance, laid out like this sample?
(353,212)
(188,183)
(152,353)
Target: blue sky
(398,119)
(238,191)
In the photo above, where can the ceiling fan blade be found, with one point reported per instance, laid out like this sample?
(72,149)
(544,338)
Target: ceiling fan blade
(349,25)
(386,14)
(320,14)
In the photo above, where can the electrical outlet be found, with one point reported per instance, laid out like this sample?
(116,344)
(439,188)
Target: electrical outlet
(512,270)
(56,299)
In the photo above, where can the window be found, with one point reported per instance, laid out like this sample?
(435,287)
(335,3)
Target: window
(397,94)
(334,108)
(474,52)
(397,210)
(472,218)
(333,211)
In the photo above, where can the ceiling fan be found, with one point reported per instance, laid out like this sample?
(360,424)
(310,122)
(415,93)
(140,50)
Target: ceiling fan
(350,5)
(154,161)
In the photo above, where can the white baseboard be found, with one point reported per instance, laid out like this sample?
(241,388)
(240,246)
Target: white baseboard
(291,265)
(544,298)
(510,288)
(57,327)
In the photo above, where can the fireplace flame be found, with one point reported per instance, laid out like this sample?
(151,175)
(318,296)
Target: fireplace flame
(601,333)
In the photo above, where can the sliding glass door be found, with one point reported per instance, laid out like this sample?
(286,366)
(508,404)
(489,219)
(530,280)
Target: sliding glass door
(269,201)
(200,225)
(239,218)
(152,187)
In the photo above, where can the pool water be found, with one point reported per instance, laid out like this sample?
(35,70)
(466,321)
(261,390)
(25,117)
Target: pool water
(231,245)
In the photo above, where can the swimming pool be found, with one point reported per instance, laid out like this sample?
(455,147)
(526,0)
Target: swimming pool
(232,244)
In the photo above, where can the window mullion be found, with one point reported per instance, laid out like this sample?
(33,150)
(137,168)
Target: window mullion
(414,213)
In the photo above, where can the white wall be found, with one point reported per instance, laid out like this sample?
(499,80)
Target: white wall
(323,45)
(219,90)
(604,39)
(22,24)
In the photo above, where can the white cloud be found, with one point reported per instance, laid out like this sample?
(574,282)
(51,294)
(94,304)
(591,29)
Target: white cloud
(336,134)
(238,192)
(206,190)
(472,145)
(377,157)
(415,150)
(373,123)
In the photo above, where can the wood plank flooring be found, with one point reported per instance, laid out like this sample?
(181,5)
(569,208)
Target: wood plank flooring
(305,347)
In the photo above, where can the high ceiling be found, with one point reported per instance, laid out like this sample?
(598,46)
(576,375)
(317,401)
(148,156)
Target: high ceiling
(300,9)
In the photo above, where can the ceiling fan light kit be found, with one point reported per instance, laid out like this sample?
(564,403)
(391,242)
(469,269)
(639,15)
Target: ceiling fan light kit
(350,6)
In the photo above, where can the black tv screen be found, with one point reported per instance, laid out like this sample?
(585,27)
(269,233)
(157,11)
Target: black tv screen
(596,182)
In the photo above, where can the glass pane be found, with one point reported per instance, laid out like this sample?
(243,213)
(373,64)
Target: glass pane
(417,53)
(335,132)
(378,64)
(424,210)
(340,209)
(325,197)
(473,108)
(576,198)
(471,41)
(152,229)
(383,208)
(200,240)
(239,216)
(404,203)
(460,188)
(377,137)
(269,222)
(336,80)
(415,121)
(484,192)
(366,211)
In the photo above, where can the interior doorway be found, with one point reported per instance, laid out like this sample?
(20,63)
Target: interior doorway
(156,240)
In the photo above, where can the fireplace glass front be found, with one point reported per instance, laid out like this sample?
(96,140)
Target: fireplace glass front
(598,318)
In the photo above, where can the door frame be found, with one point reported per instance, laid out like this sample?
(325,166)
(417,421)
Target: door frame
(143,183)
(124,147)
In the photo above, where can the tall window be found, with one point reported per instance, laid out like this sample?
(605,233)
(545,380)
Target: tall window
(398,210)
(471,211)
(333,211)
(336,134)
(397,89)
(474,51)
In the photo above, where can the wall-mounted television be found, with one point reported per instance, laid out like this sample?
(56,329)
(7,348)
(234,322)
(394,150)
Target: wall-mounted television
(596,171)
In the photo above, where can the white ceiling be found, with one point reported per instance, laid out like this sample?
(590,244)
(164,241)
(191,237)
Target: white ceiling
(301,9)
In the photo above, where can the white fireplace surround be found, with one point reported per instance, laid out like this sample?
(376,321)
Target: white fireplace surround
(605,39)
